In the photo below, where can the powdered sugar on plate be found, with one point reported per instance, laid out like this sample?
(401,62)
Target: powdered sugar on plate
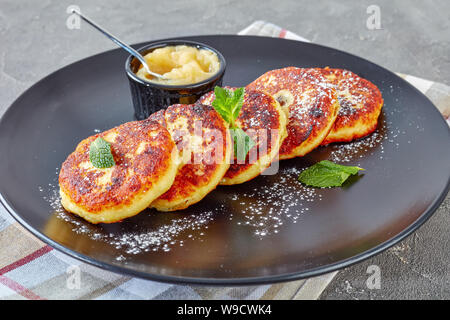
(263,210)
(266,210)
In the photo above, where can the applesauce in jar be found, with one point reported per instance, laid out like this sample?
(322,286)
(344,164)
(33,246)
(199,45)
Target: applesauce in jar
(180,65)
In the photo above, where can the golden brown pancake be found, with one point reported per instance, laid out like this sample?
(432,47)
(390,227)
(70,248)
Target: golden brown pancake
(263,120)
(360,105)
(146,162)
(309,101)
(203,141)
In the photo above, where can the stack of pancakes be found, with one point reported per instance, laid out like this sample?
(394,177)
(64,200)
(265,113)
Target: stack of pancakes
(178,155)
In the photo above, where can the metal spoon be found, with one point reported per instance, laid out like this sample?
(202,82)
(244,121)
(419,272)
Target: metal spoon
(119,43)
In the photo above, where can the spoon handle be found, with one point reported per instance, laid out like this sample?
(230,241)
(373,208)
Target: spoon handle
(120,43)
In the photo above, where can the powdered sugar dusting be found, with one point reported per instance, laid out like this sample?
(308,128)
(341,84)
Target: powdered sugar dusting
(386,134)
(351,151)
(266,210)
(136,241)
(132,239)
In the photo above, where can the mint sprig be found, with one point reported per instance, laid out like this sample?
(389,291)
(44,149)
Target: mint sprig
(327,174)
(242,143)
(100,154)
(228,104)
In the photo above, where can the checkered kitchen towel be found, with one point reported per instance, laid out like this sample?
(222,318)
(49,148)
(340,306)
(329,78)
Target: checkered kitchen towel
(30,269)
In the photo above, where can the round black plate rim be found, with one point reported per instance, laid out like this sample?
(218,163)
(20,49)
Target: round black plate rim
(140,44)
(240,281)
(230,281)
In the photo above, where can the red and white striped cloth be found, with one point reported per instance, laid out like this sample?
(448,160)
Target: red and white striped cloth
(30,269)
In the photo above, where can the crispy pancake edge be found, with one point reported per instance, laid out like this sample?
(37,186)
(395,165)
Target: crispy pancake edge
(246,172)
(313,138)
(251,171)
(359,122)
(179,203)
(138,201)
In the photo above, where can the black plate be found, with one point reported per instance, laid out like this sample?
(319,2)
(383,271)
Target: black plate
(270,229)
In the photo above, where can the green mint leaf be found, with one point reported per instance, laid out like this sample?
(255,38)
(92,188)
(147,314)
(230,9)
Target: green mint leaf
(221,104)
(237,101)
(327,174)
(228,103)
(347,169)
(242,143)
(100,154)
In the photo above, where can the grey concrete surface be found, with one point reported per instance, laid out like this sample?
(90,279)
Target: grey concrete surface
(414,38)
(416,268)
